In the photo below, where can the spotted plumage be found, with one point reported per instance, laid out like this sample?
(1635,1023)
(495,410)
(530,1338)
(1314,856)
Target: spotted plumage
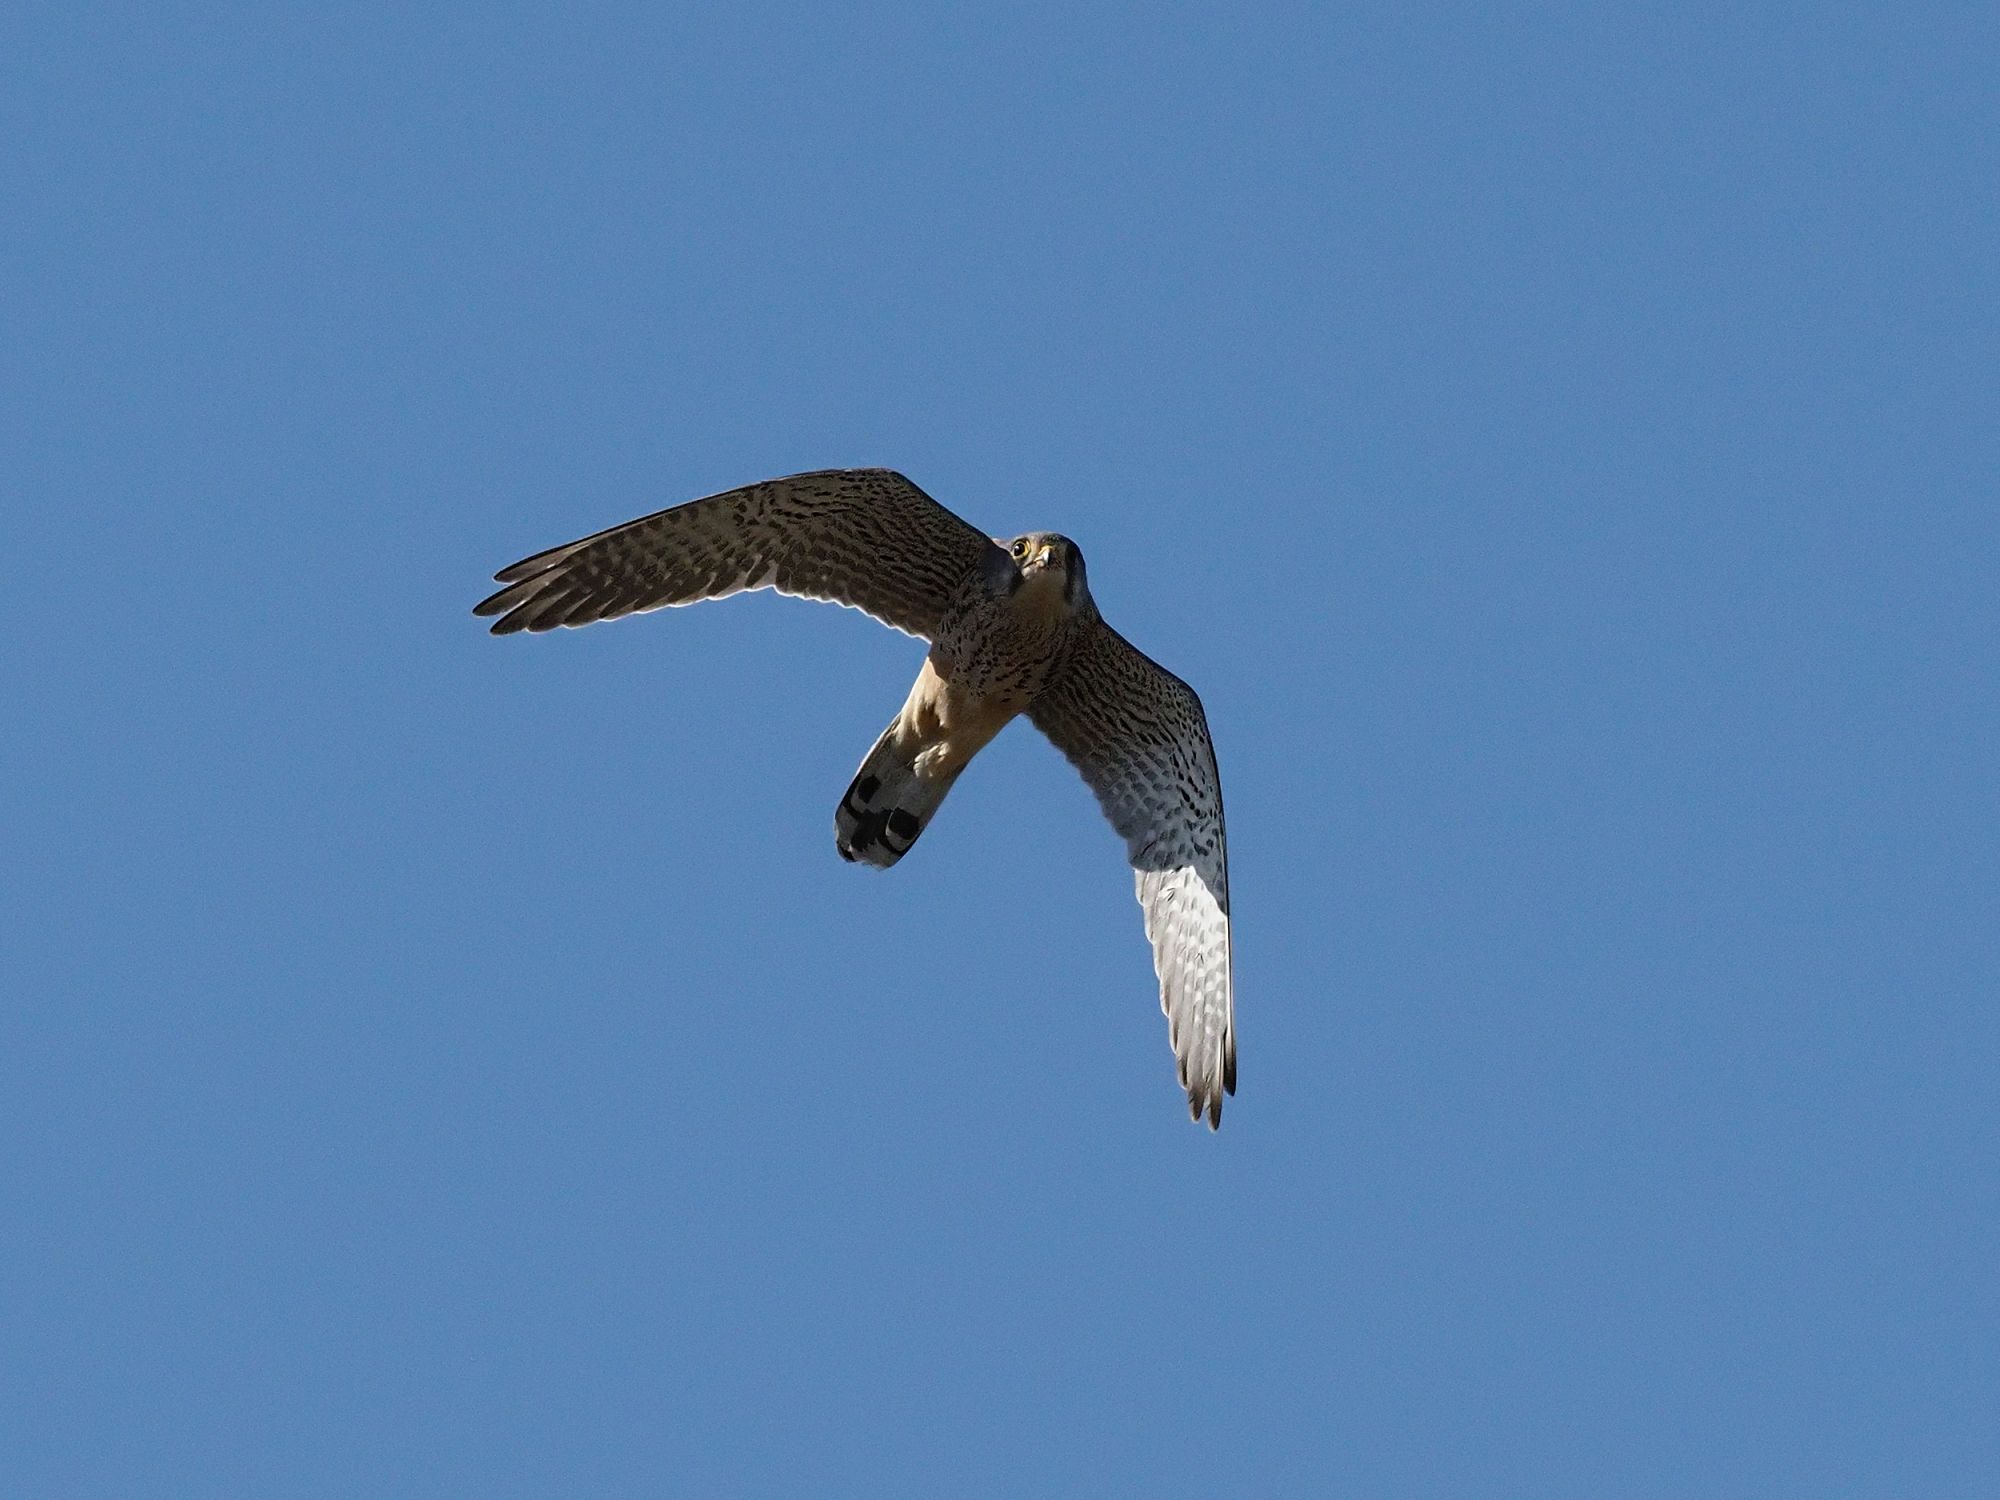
(1012,629)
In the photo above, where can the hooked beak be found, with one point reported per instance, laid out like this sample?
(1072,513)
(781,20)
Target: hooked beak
(1046,557)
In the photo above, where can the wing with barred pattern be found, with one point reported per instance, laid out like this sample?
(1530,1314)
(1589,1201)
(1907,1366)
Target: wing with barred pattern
(866,538)
(1138,735)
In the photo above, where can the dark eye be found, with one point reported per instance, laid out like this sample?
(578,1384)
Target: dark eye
(1020,547)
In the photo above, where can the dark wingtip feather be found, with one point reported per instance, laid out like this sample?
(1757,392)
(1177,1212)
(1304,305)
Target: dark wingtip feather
(1209,1105)
(502,604)
(542,561)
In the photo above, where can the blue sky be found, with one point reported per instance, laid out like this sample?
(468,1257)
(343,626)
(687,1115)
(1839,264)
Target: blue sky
(1559,446)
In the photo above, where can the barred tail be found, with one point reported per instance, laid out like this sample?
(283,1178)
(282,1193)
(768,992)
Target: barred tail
(889,803)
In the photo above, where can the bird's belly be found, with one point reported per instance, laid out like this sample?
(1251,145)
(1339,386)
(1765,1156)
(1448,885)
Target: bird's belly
(980,673)
(946,702)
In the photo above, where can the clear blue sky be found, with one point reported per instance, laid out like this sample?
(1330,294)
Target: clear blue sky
(1561,449)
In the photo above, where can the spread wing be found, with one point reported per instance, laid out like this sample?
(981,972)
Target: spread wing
(1138,735)
(866,538)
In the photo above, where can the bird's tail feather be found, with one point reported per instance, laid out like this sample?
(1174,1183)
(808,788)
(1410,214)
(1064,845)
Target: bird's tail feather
(890,801)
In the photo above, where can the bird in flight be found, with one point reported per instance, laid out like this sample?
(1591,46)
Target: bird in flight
(1012,629)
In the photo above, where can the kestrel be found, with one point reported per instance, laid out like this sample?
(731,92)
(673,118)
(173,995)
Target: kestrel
(1012,629)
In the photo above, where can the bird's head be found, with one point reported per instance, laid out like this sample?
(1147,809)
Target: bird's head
(1044,561)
